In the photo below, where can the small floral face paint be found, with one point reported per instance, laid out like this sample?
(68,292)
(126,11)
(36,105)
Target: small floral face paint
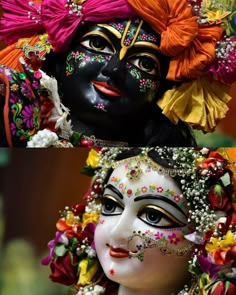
(130,47)
(145,218)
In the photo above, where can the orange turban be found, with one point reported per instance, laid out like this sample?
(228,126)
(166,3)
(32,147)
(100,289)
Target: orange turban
(191,47)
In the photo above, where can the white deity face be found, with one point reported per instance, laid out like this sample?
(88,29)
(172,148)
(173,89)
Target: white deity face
(140,235)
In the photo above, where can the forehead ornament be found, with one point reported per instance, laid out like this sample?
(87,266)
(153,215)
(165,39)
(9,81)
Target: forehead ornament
(135,172)
(125,42)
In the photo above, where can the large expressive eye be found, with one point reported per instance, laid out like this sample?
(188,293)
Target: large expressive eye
(146,63)
(157,217)
(110,206)
(97,43)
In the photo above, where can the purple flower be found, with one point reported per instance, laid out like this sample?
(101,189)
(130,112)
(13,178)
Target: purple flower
(51,247)
(25,89)
(28,113)
(35,84)
(208,267)
(89,233)
(13,128)
(9,77)
(13,98)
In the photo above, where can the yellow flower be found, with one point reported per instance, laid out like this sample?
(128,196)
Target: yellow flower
(44,43)
(199,161)
(85,277)
(92,159)
(224,244)
(90,218)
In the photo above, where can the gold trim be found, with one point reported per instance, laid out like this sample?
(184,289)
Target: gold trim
(172,172)
(125,48)
(164,212)
(108,196)
(111,30)
(98,33)
(147,44)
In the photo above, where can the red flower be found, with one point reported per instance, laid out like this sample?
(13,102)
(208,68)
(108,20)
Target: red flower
(215,164)
(46,111)
(78,209)
(218,198)
(224,257)
(63,270)
(73,231)
(221,289)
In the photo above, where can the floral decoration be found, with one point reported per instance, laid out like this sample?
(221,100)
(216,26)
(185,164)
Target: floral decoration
(206,181)
(24,104)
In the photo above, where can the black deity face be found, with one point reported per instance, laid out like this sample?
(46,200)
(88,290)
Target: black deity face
(112,71)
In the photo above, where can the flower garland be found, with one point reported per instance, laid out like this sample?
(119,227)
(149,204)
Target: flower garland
(206,181)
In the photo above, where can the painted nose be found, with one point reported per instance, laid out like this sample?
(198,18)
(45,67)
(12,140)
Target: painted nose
(114,68)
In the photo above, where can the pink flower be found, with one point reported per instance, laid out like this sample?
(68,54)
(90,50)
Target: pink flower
(121,185)
(173,239)
(144,189)
(37,75)
(158,235)
(177,199)
(159,189)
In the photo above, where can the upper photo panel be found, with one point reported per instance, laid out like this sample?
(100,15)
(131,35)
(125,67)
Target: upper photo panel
(97,73)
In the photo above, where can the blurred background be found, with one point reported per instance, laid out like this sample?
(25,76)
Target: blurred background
(35,185)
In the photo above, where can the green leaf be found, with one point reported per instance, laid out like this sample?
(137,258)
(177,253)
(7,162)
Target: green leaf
(215,286)
(60,250)
(91,262)
(227,285)
(73,243)
(218,189)
(75,138)
(88,170)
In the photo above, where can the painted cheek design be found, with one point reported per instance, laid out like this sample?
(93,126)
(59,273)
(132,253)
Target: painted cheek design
(145,85)
(112,271)
(101,106)
(167,244)
(79,59)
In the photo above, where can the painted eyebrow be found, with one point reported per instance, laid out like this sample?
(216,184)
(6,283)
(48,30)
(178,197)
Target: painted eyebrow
(147,45)
(158,197)
(111,30)
(115,190)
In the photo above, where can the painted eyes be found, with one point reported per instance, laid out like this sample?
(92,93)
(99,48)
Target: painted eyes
(97,43)
(156,217)
(147,63)
(149,214)
(110,206)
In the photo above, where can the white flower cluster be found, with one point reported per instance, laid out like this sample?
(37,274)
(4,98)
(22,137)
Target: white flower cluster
(75,6)
(91,290)
(42,139)
(93,206)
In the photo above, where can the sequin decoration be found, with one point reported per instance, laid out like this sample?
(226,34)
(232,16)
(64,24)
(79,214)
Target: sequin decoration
(75,6)
(214,12)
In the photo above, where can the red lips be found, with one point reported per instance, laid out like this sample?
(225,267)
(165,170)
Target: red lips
(118,252)
(106,89)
